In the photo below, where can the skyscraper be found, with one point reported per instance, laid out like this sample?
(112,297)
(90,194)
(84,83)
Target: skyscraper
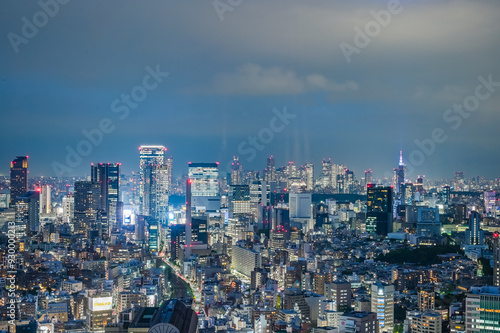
(239,196)
(156,192)
(270,172)
(236,172)
(489,203)
(379,206)
(382,299)
(45,200)
(107,175)
(368,177)
(474,236)
(87,202)
(309,176)
(27,213)
(482,304)
(148,155)
(400,173)
(18,178)
(205,185)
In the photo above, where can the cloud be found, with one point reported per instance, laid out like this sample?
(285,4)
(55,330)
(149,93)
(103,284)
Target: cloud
(252,79)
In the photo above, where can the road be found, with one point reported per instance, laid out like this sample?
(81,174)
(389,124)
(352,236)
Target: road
(181,285)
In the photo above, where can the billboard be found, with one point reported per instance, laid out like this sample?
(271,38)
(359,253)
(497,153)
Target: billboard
(100,303)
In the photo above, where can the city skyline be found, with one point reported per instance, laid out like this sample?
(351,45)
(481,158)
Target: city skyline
(250,166)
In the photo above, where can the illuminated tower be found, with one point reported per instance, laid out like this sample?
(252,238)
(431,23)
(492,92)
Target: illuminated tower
(18,178)
(400,173)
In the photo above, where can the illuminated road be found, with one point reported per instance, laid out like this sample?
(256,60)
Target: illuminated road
(183,283)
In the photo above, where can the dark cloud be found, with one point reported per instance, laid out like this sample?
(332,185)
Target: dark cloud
(227,76)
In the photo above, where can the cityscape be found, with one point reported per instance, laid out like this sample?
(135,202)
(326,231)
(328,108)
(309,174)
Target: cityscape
(278,250)
(227,166)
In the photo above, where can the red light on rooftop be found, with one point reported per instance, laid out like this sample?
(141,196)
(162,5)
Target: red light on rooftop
(39,189)
(495,235)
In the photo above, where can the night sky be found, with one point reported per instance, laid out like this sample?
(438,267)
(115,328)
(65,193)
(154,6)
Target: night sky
(231,70)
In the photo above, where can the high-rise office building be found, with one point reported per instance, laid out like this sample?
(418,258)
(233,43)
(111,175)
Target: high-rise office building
(270,172)
(236,172)
(379,206)
(204,178)
(18,178)
(239,196)
(482,309)
(27,213)
(205,186)
(474,236)
(382,299)
(309,176)
(446,195)
(68,205)
(496,259)
(490,203)
(244,260)
(156,192)
(340,293)
(428,223)
(45,200)
(148,155)
(400,173)
(86,204)
(107,175)
(177,238)
(368,177)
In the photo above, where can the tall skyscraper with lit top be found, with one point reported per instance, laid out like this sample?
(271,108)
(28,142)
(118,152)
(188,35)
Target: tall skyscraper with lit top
(18,178)
(400,173)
